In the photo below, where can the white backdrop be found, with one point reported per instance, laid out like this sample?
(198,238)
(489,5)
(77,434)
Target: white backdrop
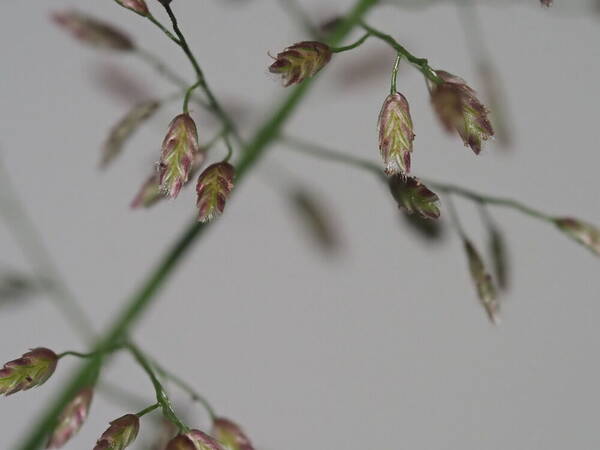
(383,346)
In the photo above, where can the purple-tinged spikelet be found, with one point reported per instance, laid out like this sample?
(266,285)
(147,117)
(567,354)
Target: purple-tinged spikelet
(30,370)
(317,219)
(181,442)
(150,192)
(459,109)
(213,188)
(499,254)
(120,434)
(230,435)
(194,440)
(586,234)
(125,128)
(138,6)
(414,197)
(301,61)
(93,31)
(71,419)
(179,151)
(483,283)
(395,134)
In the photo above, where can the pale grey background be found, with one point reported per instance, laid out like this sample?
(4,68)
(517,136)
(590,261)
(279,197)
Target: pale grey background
(382,347)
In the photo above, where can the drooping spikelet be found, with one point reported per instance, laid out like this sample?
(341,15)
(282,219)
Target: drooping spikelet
(483,282)
(586,234)
(125,128)
(92,31)
(230,435)
(459,109)
(71,419)
(150,193)
(120,434)
(316,218)
(179,150)
(30,370)
(414,197)
(194,440)
(138,6)
(213,189)
(395,134)
(300,61)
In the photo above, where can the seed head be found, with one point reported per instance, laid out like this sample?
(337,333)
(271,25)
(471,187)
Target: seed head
(459,109)
(149,193)
(546,3)
(30,370)
(499,255)
(213,189)
(230,435)
(138,6)
(125,128)
(121,433)
(586,234)
(179,150)
(92,31)
(414,197)
(317,219)
(194,440)
(71,419)
(300,61)
(395,134)
(483,282)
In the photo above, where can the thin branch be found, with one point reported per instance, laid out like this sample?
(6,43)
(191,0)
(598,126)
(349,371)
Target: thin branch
(421,63)
(340,157)
(179,382)
(351,46)
(161,394)
(164,70)
(319,151)
(490,200)
(147,410)
(202,83)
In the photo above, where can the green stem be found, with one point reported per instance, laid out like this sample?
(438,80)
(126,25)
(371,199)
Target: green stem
(77,354)
(186,388)
(455,219)
(120,395)
(351,46)
(188,94)
(147,410)
(155,62)
(421,63)
(164,29)
(229,147)
(340,157)
(394,83)
(163,69)
(161,394)
(89,355)
(321,152)
(490,200)
(142,299)
(212,100)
